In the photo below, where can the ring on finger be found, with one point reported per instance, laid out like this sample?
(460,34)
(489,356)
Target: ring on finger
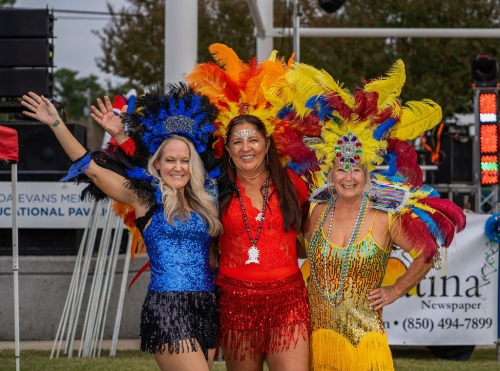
(382,300)
(47,103)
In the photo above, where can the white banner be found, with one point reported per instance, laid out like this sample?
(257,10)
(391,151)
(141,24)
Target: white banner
(457,305)
(44,205)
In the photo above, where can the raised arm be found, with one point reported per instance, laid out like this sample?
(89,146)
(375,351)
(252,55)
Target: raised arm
(41,109)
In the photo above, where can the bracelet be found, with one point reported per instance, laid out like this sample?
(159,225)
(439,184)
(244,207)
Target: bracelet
(79,166)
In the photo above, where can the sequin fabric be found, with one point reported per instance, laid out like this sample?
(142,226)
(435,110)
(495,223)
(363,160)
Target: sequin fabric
(179,254)
(172,321)
(261,317)
(352,318)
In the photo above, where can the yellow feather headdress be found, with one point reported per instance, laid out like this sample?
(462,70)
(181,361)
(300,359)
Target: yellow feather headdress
(367,127)
(237,88)
(356,128)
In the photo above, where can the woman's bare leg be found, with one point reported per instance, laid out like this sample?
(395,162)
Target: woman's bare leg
(295,358)
(185,361)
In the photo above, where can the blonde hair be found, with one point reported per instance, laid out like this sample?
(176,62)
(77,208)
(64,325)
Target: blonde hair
(194,191)
(368,180)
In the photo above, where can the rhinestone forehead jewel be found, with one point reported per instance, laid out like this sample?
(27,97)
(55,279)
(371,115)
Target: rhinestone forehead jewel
(348,150)
(179,124)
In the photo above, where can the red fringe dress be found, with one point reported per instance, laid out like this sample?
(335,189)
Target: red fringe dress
(263,308)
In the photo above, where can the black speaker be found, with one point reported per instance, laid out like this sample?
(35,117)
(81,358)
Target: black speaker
(15,82)
(26,23)
(25,53)
(41,157)
(455,164)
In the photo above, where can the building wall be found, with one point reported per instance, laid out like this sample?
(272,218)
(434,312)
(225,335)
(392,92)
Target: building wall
(44,282)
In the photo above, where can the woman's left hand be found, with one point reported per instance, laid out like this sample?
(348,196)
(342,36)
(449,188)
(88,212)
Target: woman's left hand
(382,296)
(40,108)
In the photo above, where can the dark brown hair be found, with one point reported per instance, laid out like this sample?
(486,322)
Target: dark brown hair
(288,200)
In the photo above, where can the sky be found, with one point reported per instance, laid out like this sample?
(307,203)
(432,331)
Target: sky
(75,46)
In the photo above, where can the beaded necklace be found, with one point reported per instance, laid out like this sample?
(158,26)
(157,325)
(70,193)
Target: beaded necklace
(336,298)
(253,251)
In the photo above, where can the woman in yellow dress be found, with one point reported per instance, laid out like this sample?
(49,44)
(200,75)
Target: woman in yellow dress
(362,213)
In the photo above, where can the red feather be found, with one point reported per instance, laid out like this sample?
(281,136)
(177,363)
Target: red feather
(343,109)
(418,235)
(366,104)
(406,162)
(449,210)
(383,116)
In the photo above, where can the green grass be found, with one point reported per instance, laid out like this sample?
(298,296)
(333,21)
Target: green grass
(404,360)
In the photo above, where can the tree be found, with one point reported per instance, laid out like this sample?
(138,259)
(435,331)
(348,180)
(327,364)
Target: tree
(6,3)
(437,68)
(133,44)
(138,31)
(75,94)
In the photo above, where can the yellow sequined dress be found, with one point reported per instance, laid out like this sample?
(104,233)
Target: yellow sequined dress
(346,333)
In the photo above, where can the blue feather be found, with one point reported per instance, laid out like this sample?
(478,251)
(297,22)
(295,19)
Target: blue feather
(284,112)
(390,160)
(427,219)
(383,127)
(139,173)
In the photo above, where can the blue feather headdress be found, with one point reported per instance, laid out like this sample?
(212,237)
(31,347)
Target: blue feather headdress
(178,110)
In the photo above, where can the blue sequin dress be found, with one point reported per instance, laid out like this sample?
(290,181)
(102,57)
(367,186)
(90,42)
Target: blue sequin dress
(180,309)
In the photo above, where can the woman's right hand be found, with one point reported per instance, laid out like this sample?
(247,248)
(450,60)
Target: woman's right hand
(107,119)
(40,108)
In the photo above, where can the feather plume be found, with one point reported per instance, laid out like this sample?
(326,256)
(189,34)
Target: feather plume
(444,224)
(382,128)
(313,82)
(448,209)
(210,80)
(228,59)
(418,236)
(416,118)
(432,227)
(406,162)
(366,104)
(389,87)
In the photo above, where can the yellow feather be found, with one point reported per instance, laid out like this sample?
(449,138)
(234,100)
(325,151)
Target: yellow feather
(389,87)
(228,59)
(416,118)
(304,82)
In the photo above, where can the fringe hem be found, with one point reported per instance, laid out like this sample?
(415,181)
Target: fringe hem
(179,322)
(257,318)
(331,351)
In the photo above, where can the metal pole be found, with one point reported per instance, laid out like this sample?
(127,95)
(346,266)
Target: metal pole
(446,33)
(72,287)
(265,44)
(119,309)
(83,280)
(181,18)
(88,326)
(296,29)
(115,248)
(15,264)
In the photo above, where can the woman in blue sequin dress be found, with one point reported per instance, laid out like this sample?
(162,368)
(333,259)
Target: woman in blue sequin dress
(175,214)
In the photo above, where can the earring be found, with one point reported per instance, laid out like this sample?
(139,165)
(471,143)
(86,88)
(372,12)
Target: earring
(331,189)
(230,164)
